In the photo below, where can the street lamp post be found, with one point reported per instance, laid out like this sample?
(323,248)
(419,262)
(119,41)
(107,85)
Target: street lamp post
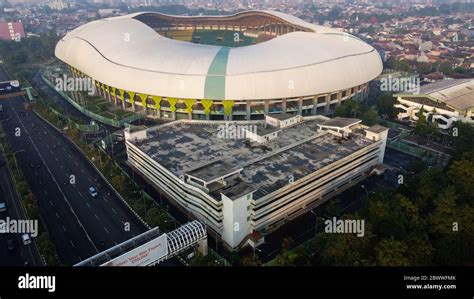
(316,226)
(363,187)
(255,248)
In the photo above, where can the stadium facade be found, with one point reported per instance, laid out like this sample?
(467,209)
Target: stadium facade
(161,65)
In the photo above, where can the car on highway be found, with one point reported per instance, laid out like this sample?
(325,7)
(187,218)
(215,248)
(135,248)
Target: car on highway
(3,206)
(26,239)
(93,192)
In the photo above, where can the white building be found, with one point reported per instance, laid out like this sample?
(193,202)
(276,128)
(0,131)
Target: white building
(241,189)
(282,120)
(304,69)
(443,102)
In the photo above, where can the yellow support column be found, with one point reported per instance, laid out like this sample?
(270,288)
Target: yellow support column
(143,98)
(207,104)
(122,97)
(132,99)
(189,107)
(173,102)
(228,104)
(114,94)
(157,100)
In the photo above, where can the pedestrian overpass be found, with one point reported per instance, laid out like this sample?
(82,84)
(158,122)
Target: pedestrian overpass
(151,247)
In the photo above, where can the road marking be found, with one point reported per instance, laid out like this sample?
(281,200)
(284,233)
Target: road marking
(36,174)
(51,152)
(56,159)
(75,162)
(106,199)
(45,192)
(57,215)
(50,203)
(52,176)
(96,216)
(69,155)
(80,194)
(72,243)
(82,170)
(114,211)
(88,205)
(106,230)
(61,166)
(64,229)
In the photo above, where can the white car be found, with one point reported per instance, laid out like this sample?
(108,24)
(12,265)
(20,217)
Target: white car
(93,192)
(26,239)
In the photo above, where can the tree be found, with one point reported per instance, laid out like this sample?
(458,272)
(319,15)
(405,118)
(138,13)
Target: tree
(23,188)
(463,135)
(346,249)
(420,250)
(385,106)
(446,68)
(118,182)
(462,174)
(446,212)
(249,261)
(423,68)
(284,258)
(423,128)
(391,252)
(333,207)
(349,108)
(370,117)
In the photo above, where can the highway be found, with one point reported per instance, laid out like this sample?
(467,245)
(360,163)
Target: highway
(79,225)
(22,254)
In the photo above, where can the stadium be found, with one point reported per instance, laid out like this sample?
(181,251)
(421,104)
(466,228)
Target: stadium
(236,67)
(277,75)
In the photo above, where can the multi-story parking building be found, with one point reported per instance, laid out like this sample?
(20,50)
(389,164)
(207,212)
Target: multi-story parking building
(240,183)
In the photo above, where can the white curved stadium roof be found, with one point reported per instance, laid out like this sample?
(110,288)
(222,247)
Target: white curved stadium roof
(126,53)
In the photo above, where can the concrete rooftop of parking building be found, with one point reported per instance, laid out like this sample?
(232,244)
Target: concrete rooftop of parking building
(194,148)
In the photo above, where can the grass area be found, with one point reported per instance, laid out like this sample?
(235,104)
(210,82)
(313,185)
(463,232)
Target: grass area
(102,107)
(55,115)
(45,244)
(223,38)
